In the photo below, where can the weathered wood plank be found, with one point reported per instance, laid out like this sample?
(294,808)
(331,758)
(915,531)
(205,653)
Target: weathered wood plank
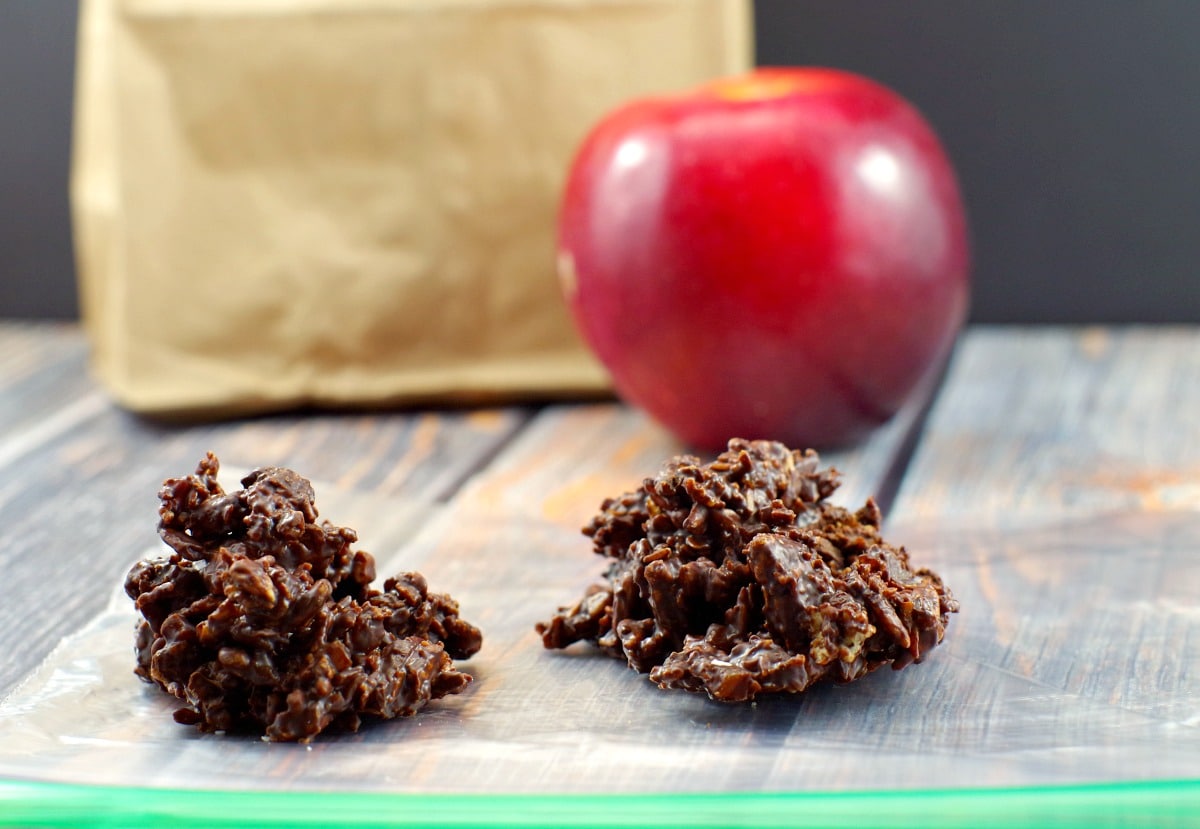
(1058,492)
(1055,488)
(1042,424)
(506,544)
(44,387)
(573,456)
(27,348)
(79,480)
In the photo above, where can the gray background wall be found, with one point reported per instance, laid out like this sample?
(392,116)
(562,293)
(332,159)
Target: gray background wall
(1074,124)
(37,44)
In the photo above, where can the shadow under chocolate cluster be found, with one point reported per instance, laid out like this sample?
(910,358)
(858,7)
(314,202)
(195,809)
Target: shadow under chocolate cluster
(263,619)
(738,578)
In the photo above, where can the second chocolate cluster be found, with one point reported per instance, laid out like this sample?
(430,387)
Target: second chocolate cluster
(738,578)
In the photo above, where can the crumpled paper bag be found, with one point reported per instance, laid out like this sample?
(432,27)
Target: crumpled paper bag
(349,202)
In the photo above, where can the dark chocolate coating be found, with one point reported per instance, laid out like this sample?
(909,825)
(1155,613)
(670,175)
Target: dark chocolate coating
(263,619)
(738,578)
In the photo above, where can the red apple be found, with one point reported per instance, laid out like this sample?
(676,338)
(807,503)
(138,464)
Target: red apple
(778,255)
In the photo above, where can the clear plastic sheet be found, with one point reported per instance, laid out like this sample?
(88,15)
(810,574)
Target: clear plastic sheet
(1068,680)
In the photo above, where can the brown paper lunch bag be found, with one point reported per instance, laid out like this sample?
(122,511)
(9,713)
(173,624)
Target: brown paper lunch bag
(349,202)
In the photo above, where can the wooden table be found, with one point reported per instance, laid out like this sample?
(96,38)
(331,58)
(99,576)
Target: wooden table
(1054,482)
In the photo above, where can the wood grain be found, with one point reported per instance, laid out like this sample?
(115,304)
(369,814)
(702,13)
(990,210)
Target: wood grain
(1053,486)
(1057,490)
(1042,424)
(487,504)
(79,479)
(44,387)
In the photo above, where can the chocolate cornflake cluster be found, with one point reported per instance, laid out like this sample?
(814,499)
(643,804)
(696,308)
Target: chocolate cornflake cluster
(737,578)
(262,619)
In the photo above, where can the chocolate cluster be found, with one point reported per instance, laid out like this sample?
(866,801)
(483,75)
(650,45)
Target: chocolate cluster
(263,619)
(738,578)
